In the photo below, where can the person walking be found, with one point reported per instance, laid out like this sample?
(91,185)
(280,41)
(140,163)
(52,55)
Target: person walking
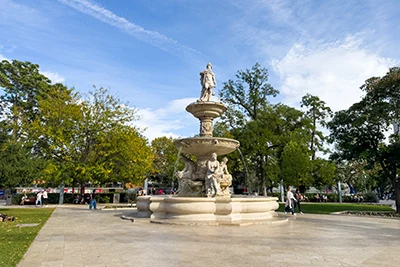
(44,195)
(39,199)
(93,200)
(290,200)
(299,197)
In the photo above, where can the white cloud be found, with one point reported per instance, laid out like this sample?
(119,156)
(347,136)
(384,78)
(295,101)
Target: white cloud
(332,71)
(165,121)
(53,76)
(152,37)
(3,58)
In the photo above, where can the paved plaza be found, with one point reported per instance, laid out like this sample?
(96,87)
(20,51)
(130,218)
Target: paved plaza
(75,236)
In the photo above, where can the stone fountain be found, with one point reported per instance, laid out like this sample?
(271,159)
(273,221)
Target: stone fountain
(204,194)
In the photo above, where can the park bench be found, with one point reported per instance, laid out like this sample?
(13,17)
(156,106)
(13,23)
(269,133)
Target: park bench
(30,200)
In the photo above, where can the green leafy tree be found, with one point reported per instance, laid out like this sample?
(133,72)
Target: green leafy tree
(356,174)
(89,140)
(165,159)
(317,112)
(359,132)
(23,86)
(296,165)
(323,172)
(18,167)
(246,97)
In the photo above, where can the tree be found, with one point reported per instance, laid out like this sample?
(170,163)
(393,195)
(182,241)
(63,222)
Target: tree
(18,166)
(165,159)
(317,112)
(89,140)
(359,132)
(296,165)
(24,86)
(323,172)
(246,97)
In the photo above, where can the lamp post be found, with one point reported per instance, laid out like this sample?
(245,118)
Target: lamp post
(340,192)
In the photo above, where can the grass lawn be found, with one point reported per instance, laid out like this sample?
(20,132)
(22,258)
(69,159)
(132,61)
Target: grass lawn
(326,208)
(15,241)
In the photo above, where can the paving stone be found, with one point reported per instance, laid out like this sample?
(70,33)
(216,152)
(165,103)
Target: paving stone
(76,236)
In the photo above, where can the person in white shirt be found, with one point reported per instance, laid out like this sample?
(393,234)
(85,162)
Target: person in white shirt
(39,199)
(290,201)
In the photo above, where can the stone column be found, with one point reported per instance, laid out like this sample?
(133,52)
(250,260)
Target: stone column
(206,127)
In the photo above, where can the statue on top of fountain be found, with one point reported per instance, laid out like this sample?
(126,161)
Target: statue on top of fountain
(208,82)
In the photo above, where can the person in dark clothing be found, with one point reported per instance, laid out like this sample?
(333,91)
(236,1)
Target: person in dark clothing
(299,197)
(93,200)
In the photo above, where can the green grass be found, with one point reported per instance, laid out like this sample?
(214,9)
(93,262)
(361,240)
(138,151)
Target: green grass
(326,208)
(15,241)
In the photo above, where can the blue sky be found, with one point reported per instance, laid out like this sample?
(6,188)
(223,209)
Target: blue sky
(150,53)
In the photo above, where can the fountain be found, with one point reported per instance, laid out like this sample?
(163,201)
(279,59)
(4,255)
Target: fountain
(204,195)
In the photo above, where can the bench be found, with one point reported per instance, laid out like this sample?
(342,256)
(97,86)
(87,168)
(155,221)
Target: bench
(31,200)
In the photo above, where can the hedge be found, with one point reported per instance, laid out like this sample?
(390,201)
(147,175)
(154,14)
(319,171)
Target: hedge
(54,198)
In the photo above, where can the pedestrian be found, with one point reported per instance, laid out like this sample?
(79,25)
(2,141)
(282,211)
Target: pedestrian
(39,198)
(290,200)
(45,198)
(23,199)
(93,200)
(299,197)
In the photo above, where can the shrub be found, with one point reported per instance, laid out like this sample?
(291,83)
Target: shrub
(333,198)
(131,196)
(370,197)
(346,198)
(103,198)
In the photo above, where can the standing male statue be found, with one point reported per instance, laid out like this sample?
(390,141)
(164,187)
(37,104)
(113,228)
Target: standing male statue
(208,82)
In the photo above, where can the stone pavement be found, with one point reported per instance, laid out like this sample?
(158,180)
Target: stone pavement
(75,236)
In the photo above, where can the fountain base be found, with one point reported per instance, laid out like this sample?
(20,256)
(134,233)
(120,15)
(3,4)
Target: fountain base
(219,210)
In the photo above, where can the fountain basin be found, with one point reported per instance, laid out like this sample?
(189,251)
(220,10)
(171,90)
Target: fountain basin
(197,209)
(205,146)
(206,109)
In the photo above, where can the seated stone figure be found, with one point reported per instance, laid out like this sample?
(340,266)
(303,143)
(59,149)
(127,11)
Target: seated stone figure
(188,170)
(187,186)
(224,178)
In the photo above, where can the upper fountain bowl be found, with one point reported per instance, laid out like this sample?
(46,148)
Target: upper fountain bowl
(202,109)
(205,146)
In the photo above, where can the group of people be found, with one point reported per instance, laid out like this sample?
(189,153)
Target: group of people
(321,198)
(358,198)
(81,199)
(41,198)
(293,200)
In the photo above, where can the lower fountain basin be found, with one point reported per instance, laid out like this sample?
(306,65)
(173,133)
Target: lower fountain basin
(205,146)
(174,209)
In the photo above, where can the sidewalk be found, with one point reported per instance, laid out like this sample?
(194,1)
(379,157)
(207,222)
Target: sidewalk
(75,236)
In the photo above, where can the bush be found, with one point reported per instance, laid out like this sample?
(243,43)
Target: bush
(131,196)
(370,197)
(333,198)
(54,198)
(103,198)
(347,198)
